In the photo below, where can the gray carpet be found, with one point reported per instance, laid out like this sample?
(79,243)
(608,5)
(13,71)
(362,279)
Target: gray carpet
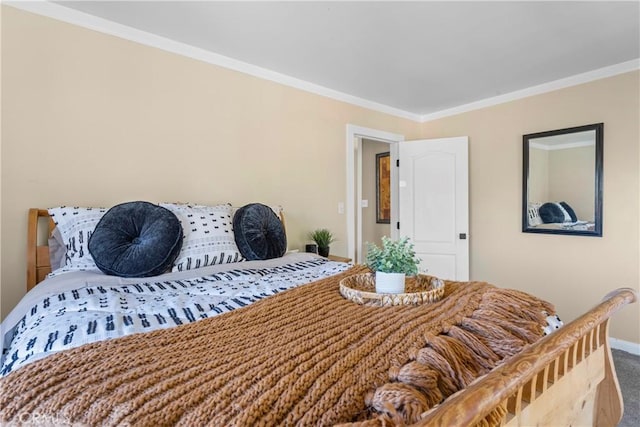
(628,370)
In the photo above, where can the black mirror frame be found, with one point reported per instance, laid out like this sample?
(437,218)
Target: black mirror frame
(597,231)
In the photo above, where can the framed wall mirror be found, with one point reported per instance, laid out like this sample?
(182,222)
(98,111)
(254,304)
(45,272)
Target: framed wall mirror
(562,181)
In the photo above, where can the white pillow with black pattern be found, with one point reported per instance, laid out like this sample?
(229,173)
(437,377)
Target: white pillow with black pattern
(533,214)
(208,236)
(76,225)
(57,250)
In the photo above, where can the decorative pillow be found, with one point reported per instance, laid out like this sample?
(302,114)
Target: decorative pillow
(533,215)
(136,239)
(208,236)
(565,214)
(57,250)
(76,226)
(570,211)
(550,213)
(277,209)
(259,232)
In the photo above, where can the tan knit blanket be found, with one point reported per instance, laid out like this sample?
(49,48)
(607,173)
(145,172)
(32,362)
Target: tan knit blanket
(306,356)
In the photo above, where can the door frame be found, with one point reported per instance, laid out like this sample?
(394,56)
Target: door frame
(354,136)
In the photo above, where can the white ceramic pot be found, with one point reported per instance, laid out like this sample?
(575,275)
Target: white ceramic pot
(389,283)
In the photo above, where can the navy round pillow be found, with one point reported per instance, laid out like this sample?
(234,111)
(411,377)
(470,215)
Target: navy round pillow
(570,211)
(551,212)
(259,233)
(136,239)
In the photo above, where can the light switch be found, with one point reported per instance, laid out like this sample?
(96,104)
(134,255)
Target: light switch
(364,203)
(341,207)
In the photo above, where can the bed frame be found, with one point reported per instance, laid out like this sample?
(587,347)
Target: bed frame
(38,264)
(566,378)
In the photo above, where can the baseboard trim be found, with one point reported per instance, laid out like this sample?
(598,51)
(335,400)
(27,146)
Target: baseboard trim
(628,346)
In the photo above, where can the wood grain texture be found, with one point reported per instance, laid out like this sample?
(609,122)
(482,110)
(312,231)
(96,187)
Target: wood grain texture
(38,263)
(474,403)
(569,401)
(608,410)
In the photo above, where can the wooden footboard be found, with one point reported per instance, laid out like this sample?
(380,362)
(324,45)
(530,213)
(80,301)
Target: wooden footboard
(566,378)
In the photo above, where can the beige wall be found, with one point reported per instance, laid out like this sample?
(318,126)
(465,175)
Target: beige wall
(566,175)
(574,272)
(538,176)
(572,179)
(1,18)
(371,231)
(90,119)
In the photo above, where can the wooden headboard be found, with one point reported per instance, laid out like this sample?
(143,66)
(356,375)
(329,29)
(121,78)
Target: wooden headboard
(38,263)
(38,260)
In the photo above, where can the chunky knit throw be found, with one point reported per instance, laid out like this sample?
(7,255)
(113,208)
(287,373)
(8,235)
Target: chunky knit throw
(306,356)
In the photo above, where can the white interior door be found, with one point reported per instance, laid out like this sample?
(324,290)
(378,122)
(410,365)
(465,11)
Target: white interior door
(434,204)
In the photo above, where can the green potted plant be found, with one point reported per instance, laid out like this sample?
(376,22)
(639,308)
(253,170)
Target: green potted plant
(395,260)
(323,239)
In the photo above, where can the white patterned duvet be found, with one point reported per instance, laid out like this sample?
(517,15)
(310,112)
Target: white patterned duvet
(76,308)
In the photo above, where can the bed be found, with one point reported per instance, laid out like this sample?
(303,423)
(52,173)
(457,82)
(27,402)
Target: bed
(556,216)
(272,342)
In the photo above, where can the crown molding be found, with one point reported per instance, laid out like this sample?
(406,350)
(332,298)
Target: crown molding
(81,19)
(564,146)
(601,73)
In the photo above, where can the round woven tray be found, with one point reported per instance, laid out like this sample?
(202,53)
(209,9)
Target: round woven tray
(421,289)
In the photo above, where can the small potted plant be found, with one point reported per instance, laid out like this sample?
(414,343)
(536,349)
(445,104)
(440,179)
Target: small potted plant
(323,239)
(391,263)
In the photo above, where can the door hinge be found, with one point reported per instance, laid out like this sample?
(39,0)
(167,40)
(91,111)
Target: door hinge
(398,163)
(398,225)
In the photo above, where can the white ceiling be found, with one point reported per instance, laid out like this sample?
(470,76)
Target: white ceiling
(418,57)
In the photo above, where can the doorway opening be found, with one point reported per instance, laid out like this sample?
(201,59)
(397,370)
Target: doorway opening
(362,146)
(375,200)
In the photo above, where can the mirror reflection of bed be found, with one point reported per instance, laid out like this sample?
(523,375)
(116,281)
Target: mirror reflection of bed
(561,181)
